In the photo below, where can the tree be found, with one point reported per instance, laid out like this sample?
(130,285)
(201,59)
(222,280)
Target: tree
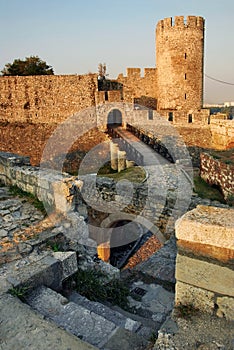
(102,71)
(32,65)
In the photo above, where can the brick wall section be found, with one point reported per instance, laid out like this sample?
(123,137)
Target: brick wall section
(47,98)
(179,54)
(215,172)
(204,265)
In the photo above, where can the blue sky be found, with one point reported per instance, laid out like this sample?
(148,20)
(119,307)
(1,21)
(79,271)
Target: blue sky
(73,36)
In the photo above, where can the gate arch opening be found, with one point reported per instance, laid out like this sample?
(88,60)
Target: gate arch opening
(114,118)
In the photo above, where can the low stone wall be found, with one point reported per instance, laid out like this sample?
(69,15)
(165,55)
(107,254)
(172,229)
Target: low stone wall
(216,172)
(204,265)
(16,171)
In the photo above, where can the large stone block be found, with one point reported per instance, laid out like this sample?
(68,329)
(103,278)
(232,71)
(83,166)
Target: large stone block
(189,295)
(205,275)
(207,225)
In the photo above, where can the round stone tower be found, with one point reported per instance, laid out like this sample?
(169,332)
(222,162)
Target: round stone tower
(180,60)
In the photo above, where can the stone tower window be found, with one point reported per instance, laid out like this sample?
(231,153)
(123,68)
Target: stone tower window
(190,118)
(185,55)
(106,95)
(185,96)
(150,114)
(185,76)
(170,117)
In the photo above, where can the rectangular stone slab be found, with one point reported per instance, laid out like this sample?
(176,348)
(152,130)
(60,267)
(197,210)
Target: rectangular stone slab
(211,277)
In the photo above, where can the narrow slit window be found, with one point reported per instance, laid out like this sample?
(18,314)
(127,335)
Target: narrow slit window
(185,96)
(185,55)
(150,114)
(190,118)
(106,95)
(185,76)
(170,117)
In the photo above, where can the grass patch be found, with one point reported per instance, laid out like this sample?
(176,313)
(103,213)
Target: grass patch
(19,292)
(56,245)
(90,283)
(18,192)
(206,191)
(135,174)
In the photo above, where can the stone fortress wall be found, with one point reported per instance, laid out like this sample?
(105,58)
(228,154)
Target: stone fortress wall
(45,99)
(31,107)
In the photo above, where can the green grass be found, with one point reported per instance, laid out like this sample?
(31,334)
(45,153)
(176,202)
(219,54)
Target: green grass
(19,292)
(18,192)
(206,191)
(135,174)
(90,283)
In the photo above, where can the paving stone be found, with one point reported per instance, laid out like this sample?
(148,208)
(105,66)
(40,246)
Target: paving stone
(156,303)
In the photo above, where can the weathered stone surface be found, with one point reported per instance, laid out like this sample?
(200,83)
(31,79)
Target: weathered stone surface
(199,330)
(22,328)
(76,319)
(117,318)
(160,267)
(47,270)
(205,275)
(225,307)
(189,295)
(156,303)
(207,225)
(68,263)
(217,172)
(123,339)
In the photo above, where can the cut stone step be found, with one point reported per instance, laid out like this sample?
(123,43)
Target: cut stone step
(160,267)
(22,328)
(84,324)
(111,315)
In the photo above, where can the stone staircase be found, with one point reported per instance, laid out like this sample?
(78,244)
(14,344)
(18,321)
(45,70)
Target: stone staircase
(92,322)
(106,326)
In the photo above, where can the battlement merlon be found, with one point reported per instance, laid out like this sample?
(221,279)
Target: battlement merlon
(181,22)
(134,72)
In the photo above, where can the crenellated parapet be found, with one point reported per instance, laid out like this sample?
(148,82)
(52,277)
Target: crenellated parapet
(180,22)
